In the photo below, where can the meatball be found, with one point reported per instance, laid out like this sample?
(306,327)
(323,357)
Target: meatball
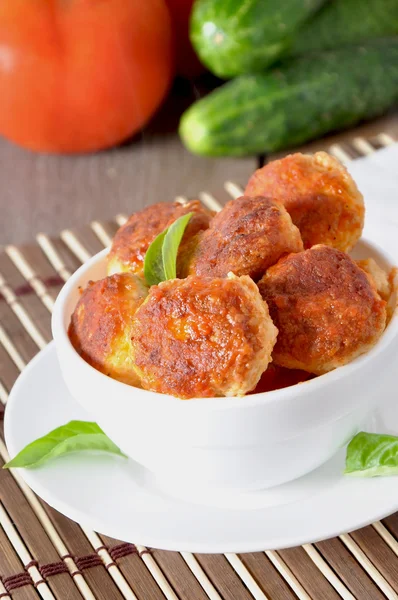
(318,193)
(203,337)
(133,239)
(326,308)
(245,238)
(378,276)
(100,327)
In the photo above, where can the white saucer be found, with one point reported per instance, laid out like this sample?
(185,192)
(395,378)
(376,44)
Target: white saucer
(119,498)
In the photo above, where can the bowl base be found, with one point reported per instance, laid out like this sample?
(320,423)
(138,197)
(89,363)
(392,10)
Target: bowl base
(240,499)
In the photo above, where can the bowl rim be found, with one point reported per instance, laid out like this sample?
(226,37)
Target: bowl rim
(223,402)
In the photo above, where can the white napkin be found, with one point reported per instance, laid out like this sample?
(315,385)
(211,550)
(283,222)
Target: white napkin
(376,175)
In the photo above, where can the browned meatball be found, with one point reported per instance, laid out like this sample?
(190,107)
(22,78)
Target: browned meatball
(377,275)
(133,239)
(326,309)
(318,193)
(100,327)
(245,238)
(202,337)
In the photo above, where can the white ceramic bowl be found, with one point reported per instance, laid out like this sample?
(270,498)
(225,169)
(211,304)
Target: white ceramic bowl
(240,443)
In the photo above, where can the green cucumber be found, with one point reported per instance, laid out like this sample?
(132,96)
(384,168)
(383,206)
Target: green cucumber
(232,37)
(346,23)
(303,99)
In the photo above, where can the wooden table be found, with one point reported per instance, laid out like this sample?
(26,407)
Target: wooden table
(49,193)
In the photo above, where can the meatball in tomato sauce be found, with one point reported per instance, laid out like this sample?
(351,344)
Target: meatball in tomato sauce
(318,193)
(100,327)
(202,337)
(133,239)
(326,308)
(246,237)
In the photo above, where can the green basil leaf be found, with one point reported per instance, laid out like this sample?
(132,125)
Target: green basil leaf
(153,262)
(171,244)
(160,263)
(372,455)
(75,436)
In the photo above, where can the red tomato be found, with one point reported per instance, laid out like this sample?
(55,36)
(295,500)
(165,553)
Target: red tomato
(187,62)
(81,75)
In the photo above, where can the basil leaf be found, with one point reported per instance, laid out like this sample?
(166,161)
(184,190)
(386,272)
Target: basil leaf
(160,263)
(75,436)
(171,244)
(153,262)
(372,455)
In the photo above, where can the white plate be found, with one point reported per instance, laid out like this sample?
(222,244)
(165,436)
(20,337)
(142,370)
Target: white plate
(119,498)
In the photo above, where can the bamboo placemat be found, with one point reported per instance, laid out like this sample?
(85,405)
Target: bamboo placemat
(45,555)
